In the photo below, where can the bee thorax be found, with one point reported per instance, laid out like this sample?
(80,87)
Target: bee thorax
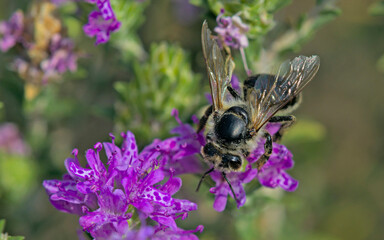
(230,128)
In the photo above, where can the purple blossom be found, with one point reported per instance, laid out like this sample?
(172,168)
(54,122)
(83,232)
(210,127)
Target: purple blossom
(235,83)
(178,234)
(102,194)
(231,31)
(62,57)
(44,53)
(11,31)
(101,23)
(179,153)
(11,141)
(273,174)
(222,189)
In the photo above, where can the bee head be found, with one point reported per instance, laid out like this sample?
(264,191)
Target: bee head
(232,126)
(231,161)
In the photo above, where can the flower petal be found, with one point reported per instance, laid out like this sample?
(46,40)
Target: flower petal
(220,198)
(157,196)
(94,162)
(167,221)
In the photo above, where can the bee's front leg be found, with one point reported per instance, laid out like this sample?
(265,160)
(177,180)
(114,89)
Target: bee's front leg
(267,151)
(202,178)
(286,122)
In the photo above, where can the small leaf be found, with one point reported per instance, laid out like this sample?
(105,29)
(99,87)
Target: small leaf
(2,225)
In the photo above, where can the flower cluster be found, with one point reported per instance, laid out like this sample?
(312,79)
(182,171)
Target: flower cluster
(11,31)
(44,53)
(102,22)
(179,152)
(109,198)
(62,57)
(231,31)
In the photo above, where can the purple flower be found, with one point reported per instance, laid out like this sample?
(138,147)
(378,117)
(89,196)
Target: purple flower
(11,31)
(231,31)
(43,53)
(62,57)
(235,83)
(11,141)
(102,22)
(222,189)
(179,153)
(273,174)
(178,234)
(102,195)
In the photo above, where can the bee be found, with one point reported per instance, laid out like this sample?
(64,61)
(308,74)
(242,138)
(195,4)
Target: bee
(235,121)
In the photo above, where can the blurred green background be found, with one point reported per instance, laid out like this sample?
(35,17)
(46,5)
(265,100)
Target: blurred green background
(338,142)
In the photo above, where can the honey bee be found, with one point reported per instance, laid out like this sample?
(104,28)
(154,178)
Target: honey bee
(235,120)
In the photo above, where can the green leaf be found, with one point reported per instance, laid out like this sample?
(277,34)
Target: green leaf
(380,64)
(164,82)
(131,15)
(377,8)
(305,131)
(17,176)
(15,238)
(199,3)
(5,236)
(2,225)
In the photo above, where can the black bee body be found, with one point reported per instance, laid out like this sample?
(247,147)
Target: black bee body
(234,121)
(227,135)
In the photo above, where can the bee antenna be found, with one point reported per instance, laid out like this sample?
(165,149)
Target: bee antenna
(230,186)
(202,178)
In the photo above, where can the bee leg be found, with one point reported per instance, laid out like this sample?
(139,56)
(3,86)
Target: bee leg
(267,152)
(202,178)
(230,186)
(233,92)
(286,122)
(204,119)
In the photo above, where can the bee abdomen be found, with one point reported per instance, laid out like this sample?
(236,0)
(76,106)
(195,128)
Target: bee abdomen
(232,161)
(210,150)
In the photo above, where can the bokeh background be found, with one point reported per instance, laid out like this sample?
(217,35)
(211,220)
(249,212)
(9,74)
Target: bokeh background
(338,142)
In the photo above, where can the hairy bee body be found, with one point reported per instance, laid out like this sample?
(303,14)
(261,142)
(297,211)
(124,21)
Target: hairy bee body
(229,133)
(228,140)
(235,121)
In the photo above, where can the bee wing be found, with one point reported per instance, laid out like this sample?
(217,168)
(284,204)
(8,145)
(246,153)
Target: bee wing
(219,70)
(271,93)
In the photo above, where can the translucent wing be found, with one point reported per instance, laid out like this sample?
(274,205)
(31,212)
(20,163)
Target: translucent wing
(270,93)
(219,70)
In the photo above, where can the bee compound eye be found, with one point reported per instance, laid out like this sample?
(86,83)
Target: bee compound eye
(232,160)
